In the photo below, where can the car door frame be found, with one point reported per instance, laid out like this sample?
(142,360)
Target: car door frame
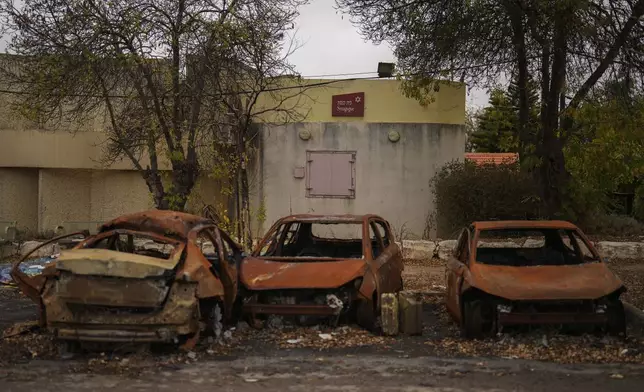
(382,263)
(227,274)
(455,269)
(393,256)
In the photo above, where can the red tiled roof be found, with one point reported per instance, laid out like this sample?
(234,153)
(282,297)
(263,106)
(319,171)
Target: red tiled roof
(481,158)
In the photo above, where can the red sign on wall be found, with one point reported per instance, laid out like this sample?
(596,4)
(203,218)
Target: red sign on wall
(347,105)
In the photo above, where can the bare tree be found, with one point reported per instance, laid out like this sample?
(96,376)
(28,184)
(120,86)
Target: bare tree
(150,68)
(263,89)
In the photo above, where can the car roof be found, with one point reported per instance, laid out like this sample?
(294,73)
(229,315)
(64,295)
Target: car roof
(329,218)
(523,224)
(164,222)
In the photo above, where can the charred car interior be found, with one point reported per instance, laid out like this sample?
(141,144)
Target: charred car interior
(537,247)
(313,268)
(511,273)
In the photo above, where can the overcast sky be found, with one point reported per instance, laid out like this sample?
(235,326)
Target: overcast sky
(331,45)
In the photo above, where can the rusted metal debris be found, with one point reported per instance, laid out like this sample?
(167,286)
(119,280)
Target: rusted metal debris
(110,289)
(546,272)
(296,272)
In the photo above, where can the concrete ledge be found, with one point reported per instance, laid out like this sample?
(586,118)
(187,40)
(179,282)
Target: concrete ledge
(418,249)
(634,315)
(46,250)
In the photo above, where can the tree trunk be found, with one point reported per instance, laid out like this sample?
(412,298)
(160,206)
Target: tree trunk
(245,199)
(552,173)
(184,177)
(238,213)
(155,186)
(517,19)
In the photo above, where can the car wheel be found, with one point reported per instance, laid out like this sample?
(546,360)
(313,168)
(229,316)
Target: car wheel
(68,349)
(366,316)
(616,324)
(478,320)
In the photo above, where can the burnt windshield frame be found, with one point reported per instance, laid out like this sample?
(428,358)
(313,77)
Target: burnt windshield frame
(553,250)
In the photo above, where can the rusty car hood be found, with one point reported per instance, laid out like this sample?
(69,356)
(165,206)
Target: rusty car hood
(104,262)
(586,281)
(262,274)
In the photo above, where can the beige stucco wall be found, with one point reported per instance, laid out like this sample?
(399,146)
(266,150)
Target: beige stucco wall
(114,193)
(392,179)
(19,197)
(64,196)
(76,199)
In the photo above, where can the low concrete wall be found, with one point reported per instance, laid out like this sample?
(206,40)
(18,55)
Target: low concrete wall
(442,249)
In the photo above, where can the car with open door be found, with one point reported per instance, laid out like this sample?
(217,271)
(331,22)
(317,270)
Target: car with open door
(512,273)
(153,276)
(313,268)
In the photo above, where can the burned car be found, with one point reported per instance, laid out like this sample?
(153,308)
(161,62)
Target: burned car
(312,268)
(152,276)
(513,273)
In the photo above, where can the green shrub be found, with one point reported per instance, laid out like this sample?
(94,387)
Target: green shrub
(603,224)
(465,192)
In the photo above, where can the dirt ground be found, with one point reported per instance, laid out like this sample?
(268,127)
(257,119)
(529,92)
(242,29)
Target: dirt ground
(249,359)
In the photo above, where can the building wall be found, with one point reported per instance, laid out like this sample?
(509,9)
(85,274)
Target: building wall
(64,196)
(77,199)
(115,193)
(19,198)
(53,177)
(58,150)
(384,102)
(392,179)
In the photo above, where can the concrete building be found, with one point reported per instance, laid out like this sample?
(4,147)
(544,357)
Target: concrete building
(359,147)
(362,148)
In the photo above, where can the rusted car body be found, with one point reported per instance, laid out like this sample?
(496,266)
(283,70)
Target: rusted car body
(533,272)
(145,277)
(313,268)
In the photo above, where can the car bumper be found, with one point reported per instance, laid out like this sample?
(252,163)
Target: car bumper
(552,318)
(71,319)
(291,310)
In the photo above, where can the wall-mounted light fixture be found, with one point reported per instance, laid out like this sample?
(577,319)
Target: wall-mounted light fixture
(393,136)
(385,70)
(305,134)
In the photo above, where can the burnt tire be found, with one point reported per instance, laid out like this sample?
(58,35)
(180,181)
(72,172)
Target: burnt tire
(616,324)
(479,320)
(366,316)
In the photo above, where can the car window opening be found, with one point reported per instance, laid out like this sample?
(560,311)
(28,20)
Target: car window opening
(339,240)
(139,244)
(532,247)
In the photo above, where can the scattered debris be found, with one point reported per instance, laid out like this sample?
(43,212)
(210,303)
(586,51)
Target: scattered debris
(275,322)
(293,341)
(325,336)
(20,329)
(29,268)
(333,301)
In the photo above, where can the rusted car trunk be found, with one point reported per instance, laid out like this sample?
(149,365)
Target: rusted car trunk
(102,295)
(111,288)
